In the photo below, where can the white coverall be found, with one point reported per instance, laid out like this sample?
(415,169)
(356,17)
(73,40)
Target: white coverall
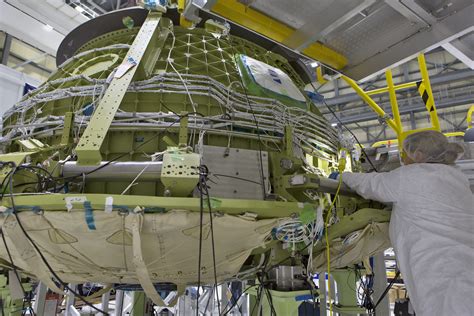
(432,233)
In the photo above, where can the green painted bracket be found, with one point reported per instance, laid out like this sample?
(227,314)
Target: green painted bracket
(144,51)
(289,141)
(183,130)
(355,221)
(346,281)
(56,202)
(67,129)
(8,305)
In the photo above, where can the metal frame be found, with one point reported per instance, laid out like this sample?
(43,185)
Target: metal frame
(275,30)
(424,87)
(144,51)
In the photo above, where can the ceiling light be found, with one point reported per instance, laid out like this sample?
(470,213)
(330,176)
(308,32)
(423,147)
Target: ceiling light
(80,9)
(314,64)
(334,124)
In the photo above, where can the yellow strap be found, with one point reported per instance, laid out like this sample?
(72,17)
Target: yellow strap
(141,269)
(28,254)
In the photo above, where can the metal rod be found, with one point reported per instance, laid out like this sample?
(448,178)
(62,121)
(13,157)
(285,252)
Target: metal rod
(115,171)
(396,87)
(426,81)
(40,299)
(6,48)
(119,295)
(370,102)
(394,102)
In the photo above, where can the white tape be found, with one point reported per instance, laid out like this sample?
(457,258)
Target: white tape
(70,200)
(109,202)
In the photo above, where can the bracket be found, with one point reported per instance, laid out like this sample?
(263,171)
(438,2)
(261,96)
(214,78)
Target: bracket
(145,51)
(67,129)
(183,130)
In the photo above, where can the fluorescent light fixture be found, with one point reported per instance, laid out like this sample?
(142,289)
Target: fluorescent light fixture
(314,64)
(48,27)
(334,124)
(80,9)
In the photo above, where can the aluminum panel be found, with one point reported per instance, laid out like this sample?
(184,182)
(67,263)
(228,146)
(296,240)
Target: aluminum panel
(362,37)
(293,13)
(235,173)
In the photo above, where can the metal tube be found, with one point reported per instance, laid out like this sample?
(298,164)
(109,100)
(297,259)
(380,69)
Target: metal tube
(396,87)
(119,296)
(370,102)
(426,81)
(330,186)
(393,102)
(69,311)
(40,300)
(115,171)
(105,302)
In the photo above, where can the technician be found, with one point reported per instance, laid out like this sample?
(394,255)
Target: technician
(432,223)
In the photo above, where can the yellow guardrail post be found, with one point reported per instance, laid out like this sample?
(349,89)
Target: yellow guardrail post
(394,103)
(426,81)
(319,75)
(469,120)
(371,103)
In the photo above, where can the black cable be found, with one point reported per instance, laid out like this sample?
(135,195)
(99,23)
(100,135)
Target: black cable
(204,186)
(259,296)
(201,214)
(20,224)
(236,301)
(344,125)
(389,286)
(353,135)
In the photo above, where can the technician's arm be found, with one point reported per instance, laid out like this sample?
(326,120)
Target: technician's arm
(383,187)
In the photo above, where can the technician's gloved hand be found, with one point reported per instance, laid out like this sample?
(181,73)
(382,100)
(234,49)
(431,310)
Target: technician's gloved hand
(334,175)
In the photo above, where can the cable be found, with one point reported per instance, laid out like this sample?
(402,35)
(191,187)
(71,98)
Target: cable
(262,176)
(212,238)
(20,224)
(236,301)
(353,135)
(389,286)
(202,187)
(201,211)
(344,125)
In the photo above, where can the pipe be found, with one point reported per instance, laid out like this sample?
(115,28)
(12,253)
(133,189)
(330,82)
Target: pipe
(330,186)
(115,171)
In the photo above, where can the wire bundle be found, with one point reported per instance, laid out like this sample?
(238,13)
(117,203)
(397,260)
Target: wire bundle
(239,111)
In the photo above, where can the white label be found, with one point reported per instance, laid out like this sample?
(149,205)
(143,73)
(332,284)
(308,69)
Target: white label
(109,202)
(273,79)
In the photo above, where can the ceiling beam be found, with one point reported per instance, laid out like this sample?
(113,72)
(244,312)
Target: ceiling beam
(440,32)
(335,15)
(447,77)
(416,107)
(459,54)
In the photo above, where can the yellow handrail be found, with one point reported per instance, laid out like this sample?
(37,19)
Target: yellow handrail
(371,103)
(469,120)
(393,102)
(426,81)
(401,86)
(395,141)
